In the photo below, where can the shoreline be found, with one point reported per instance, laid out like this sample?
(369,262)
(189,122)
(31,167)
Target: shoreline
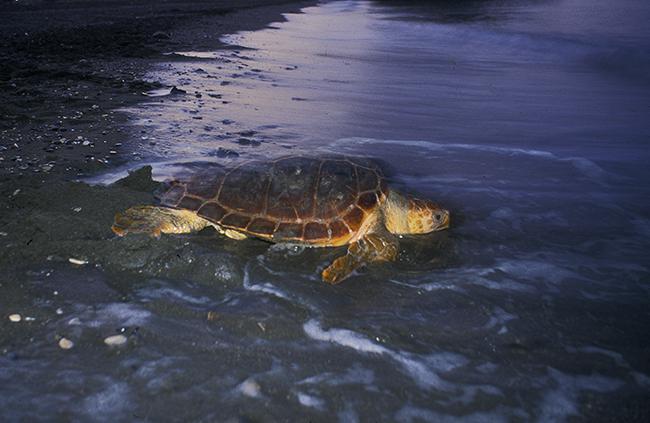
(70,66)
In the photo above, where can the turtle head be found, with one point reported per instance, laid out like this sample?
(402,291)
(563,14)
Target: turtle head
(409,215)
(425,216)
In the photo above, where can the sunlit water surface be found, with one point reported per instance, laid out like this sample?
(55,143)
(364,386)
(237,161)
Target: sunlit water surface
(529,120)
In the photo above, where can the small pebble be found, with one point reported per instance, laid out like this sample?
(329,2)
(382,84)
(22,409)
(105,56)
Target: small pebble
(65,344)
(250,388)
(59,311)
(115,340)
(77,261)
(15,318)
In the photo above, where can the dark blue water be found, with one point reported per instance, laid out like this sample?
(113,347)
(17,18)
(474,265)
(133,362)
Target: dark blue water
(529,120)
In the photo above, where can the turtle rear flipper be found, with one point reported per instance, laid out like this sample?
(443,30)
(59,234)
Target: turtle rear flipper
(154,221)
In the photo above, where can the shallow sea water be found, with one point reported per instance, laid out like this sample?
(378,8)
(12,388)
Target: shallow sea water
(527,119)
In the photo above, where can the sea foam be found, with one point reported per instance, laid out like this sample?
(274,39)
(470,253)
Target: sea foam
(265,287)
(585,166)
(419,368)
(562,401)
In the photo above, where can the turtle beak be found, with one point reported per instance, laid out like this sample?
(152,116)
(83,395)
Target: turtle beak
(447,221)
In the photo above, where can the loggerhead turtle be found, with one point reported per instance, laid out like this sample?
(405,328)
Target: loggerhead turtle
(318,202)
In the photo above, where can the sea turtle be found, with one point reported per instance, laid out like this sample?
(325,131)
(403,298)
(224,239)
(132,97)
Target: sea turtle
(318,202)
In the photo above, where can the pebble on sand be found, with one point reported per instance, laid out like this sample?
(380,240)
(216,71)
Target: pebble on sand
(115,340)
(250,388)
(15,318)
(77,261)
(65,344)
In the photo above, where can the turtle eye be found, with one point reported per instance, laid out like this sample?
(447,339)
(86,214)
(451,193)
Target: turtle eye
(437,216)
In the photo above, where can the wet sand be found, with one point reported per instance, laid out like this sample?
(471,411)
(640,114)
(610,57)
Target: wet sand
(67,67)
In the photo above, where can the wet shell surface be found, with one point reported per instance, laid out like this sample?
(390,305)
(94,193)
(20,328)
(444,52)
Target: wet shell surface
(292,199)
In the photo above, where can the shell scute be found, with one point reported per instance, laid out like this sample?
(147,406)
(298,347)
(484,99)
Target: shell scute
(369,180)
(244,187)
(212,211)
(207,183)
(262,226)
(368,201)
(315,230)
(190,203)
(339,229)
(173,195)
(236,220)
(290,193)
(289,230)
(337,188)
(354,218)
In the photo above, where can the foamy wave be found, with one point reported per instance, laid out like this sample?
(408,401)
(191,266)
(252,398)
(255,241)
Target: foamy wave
(583,165)
(352,376)
(641,379)
(411,413)
(586,167)
(457,279)
(168,293)
(617,357)
(434,146)
(114,315)
(417,367)
(310,401)
(270,289)
(500,318)
(562,401)
(110,404)
(198,54)
(523,275)
(536,270)
(265,287)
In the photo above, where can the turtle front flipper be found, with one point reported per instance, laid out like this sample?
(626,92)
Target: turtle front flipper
(154,221)
(371,248)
